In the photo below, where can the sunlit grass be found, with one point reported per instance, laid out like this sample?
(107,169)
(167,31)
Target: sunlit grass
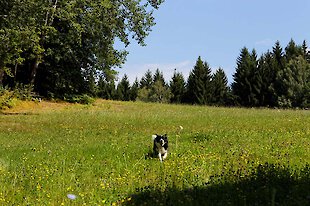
(99,153)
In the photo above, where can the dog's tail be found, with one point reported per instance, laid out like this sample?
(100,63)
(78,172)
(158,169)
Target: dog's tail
(153,137)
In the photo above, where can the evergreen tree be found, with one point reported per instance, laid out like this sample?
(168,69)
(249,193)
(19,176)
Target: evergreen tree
(159,77)
(147,80)
(278,64)
(292,50)
(220,88)
(134,90)
(123,89)
(106,87)
(177,87)
(305,51)
(266,78)
(243,85)
(199,83)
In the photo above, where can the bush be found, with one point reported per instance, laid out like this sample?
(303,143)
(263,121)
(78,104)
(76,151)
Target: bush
(81,99)
(6,98)
(24,92)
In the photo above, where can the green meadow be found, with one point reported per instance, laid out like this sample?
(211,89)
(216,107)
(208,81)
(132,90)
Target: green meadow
(100,154)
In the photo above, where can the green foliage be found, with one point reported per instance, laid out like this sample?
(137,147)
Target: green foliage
(106,88)
(177,87)
(244,81)
(153,88)
(159,93)
(144,94)
(82,99)
(57,41)
(123,89)
(159,77)
(220,89)
(147,80)
(199,83)
(295,79)
(24,92)
(6,98)
(277,79)
(134,90)
(9,97)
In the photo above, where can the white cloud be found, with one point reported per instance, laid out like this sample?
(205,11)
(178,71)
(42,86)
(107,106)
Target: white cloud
(138,70)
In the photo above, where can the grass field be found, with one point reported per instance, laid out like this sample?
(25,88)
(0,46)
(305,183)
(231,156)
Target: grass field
(71,154)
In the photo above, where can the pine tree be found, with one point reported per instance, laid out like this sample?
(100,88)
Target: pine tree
(278,64)
(292,50)
(106,87)
(220,89)
(134,90)
(177,87)
(159,77)
(147,80)
(305,51)
(123,89)
(266,78)
(243,85)
(199,83)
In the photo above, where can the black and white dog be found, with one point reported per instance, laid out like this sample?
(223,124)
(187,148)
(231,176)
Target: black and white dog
(160,147)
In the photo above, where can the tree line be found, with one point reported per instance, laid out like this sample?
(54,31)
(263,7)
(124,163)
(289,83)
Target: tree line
(201,87)
(277,78)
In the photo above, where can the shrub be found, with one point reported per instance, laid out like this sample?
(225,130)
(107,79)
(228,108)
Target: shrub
(82,99)
(6,98)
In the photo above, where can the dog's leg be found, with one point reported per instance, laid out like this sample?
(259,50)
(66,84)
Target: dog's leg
(165,156)
(160,158)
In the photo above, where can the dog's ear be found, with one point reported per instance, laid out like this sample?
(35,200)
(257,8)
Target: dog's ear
(165,136)
(154,136)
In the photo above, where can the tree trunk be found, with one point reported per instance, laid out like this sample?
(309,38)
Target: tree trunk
(34,70)
(1,76)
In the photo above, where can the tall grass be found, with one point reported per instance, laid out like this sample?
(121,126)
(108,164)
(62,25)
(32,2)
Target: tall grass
(99,154)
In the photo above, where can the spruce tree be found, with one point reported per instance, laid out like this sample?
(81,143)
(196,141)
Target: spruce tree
(305,51)
(123,89)
(278,64)
(158,76)
(266,78)
(134,90)
(106,88)
(147,80)
(199,83)
(242,86)
(292,50)
(177,87)
(220,88)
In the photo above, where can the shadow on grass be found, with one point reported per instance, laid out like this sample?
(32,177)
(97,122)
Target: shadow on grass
(267,185)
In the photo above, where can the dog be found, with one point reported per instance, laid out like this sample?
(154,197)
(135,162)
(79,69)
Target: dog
(160,147)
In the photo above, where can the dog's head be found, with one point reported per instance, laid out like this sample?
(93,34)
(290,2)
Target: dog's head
(160,139)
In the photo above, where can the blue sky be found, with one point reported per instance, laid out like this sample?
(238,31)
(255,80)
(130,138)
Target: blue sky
(216,30)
